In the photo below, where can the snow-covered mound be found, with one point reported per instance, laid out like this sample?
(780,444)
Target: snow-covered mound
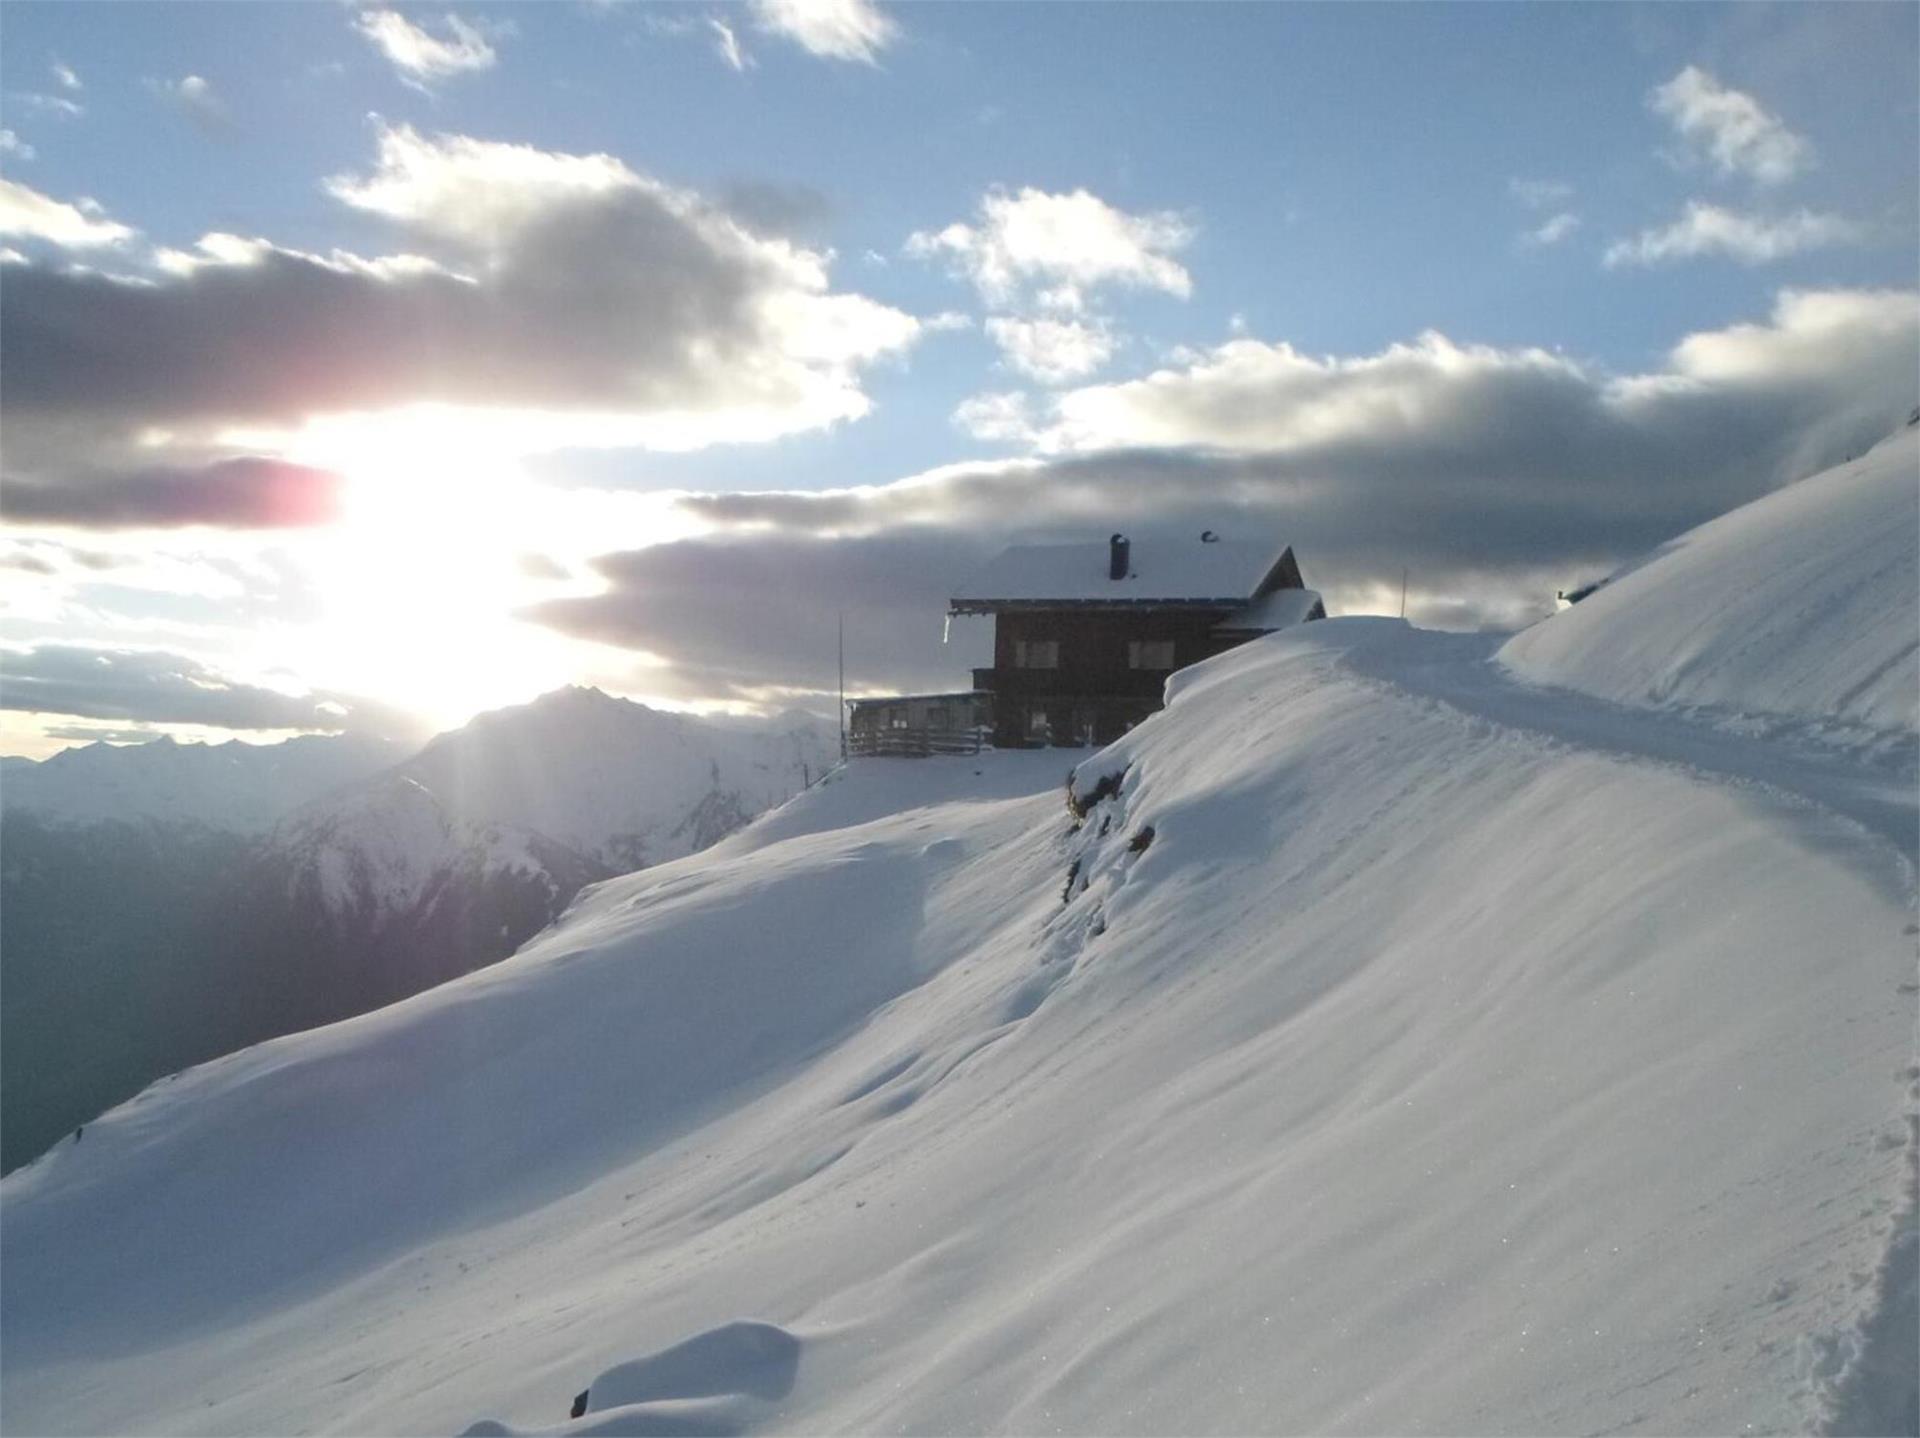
(236,786)
(859,793)
(1372,1059)
(1805,603)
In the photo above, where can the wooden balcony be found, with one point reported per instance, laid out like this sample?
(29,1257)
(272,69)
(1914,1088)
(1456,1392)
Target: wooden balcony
(918,743)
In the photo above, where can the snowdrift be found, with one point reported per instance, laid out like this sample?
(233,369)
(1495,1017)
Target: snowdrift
(1805,603)
(1390,1047)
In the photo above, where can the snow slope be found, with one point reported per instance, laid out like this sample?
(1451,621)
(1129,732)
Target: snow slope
(1400,1049)
(1806,603)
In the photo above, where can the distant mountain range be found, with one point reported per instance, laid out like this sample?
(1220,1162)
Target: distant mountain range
(167,903)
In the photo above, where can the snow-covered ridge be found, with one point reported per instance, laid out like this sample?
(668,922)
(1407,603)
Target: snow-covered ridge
(1380,1051)
(1805,603)
(617,781)
(237,786)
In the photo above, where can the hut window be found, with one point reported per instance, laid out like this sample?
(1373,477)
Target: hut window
(1149,654)
(1036,654)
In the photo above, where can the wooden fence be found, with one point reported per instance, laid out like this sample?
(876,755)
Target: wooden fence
(918,743)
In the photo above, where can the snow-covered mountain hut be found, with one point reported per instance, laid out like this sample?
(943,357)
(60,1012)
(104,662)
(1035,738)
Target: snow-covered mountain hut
(1085,635)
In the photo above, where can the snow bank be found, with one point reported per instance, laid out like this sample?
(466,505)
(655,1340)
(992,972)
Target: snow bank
(865,789)
(1805,603)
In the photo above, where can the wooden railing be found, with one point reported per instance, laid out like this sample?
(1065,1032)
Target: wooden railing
(918,743)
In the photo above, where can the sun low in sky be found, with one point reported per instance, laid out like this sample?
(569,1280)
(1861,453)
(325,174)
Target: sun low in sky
(365,368)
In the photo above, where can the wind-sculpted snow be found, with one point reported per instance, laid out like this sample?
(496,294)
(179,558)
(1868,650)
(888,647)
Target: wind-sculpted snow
(1434,1067)
(1802,604)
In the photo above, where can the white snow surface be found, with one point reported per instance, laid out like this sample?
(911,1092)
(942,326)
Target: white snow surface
(1455,1056)
(1281,609)
(1159,568)
(236,785)
(1804,604)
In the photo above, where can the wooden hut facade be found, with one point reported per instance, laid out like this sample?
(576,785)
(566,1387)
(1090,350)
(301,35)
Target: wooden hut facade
(1085,635)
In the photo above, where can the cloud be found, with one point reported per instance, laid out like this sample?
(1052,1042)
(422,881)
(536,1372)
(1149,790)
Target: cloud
(1050,350)
(419,55)
(1034,247)
(1708,230)
(244,493)
(1540,194)
(832,29)
(48,104)
(1730,129)
(727,45)
(546,299)
(27,214)
(12,144)
(64,74)
(1556,228)
(775,209)
(193,96)
(1004,417)
(141,686)
(745,616)
(1495,475)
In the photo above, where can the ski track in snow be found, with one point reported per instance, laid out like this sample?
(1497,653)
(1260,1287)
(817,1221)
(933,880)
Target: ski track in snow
(1874,792)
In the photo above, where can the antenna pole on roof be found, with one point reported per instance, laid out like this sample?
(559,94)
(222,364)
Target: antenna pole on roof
(1403,591)
(843,686)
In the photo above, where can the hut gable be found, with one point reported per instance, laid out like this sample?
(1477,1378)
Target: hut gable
(1085,635)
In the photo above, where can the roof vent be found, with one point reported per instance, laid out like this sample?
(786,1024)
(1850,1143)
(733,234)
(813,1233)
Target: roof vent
(1207,536)
(1118,552)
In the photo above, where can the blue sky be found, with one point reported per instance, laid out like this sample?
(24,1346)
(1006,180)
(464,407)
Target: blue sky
(1267,206)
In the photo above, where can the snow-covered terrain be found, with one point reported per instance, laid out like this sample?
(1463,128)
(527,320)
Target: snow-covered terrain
(1382,1045)
(168,903)
(576,782)
(1805,604)
(617,781)
(233,786)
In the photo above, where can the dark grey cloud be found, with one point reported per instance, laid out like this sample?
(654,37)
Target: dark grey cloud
(1492,479)
(101,734)
(563,285)
(739,615)
(133,686)
(600,303)
(243,493)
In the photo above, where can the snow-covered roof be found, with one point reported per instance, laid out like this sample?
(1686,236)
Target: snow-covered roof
(1281,609)
(1161,571)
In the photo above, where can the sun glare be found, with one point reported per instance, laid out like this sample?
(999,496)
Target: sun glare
(424,578)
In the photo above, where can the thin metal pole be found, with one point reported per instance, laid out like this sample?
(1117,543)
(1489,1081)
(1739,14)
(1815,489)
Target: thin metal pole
(843,686)
(1403,591)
